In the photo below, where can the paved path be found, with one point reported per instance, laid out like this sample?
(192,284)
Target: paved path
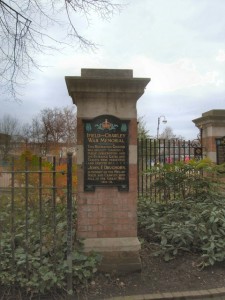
(213,294)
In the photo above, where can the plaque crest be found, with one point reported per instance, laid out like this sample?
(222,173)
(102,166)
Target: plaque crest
(106,125)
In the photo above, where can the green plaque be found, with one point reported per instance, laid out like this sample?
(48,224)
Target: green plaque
(106,159)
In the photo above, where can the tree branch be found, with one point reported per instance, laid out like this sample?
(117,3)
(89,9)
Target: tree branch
(23,34)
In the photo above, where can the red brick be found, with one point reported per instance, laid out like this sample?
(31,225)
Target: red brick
(97,214)
(118,227)
(83,215)
(107,212)
(81,227)
(127,233)
(82,201)
(105,221)
(94,201)
(107,234)
(108,208)
(133,131)
(120,214)
(80,130)
(108,228)
(97,228)
(88,208)
(91,221)
(89,234)
(116,201)
(124,221)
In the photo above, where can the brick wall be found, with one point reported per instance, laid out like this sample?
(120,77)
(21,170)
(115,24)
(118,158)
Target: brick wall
(108,212)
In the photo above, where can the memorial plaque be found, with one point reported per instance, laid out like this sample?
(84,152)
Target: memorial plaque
(106,148)
(220,150)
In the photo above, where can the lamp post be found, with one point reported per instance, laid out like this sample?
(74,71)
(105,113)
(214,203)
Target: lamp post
(164,121)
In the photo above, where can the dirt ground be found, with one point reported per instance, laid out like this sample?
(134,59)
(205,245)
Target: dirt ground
(180,274)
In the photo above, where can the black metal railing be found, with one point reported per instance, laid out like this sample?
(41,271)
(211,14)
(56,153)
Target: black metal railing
(153,152)
(36,220)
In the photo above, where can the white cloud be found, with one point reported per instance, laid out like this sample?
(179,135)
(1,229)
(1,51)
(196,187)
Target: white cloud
(169,77)
(220,56)
(213,78)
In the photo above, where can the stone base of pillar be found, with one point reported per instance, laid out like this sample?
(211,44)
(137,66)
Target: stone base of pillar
(119,255)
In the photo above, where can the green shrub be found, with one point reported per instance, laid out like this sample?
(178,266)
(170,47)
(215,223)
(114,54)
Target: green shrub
(195,221)
(33,249)
(185,179)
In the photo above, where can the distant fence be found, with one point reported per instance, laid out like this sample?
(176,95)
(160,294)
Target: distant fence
(160,151)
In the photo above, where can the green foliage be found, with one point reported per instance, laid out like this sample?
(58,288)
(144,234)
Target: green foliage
(33,161)
(195,220)
(143,132)
(33,248)
(185,179)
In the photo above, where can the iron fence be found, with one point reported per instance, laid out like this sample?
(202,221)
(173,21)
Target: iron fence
(37,217)
(38,214)
(153,152)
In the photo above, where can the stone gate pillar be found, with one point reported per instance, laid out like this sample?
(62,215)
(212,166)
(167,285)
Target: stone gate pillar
(212,126)
(107,164)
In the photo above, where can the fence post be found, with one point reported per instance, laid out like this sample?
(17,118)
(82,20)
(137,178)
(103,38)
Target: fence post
(69,227)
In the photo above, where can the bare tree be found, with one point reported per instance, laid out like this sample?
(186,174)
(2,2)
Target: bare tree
(9,135)
(168,134)
(25,32)
(70,123)
(53,129)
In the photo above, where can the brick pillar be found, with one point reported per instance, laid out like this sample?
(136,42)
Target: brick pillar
(107,213)
(212,125)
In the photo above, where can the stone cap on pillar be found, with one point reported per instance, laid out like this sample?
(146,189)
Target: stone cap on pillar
(107,73)
(105,81)
(214,117)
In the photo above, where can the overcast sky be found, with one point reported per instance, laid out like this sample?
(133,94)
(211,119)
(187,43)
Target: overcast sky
(179,44)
